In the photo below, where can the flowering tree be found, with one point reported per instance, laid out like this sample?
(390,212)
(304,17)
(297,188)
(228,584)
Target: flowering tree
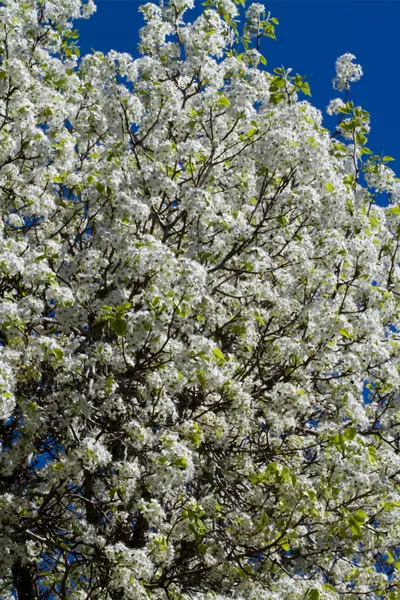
(198,320)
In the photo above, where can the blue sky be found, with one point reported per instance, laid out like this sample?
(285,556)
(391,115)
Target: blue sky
(311,35)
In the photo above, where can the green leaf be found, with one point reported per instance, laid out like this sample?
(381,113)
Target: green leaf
(58,466)
(181,463)
(361,139)
(365,151)
(345,333)
(258,478)
(355,526)
(329,587)
(223,101)
(372,454)
(201,377)
(282,221)
(120,326)
(197,527)
(121,310)
(263,60)
(360,516)
(263,520)
(3,74)
(305,88)
(388,158)
(394,211)
(218,354)
(313,594)
(277,83)
(390,557)
(348,179)
(350,433)
(109,383)
(329,186)
(276,98)
(102,319)
(58,353)
(374,221)
(285,545)
(259,318)
(107,309)
(100,187)
(57,179)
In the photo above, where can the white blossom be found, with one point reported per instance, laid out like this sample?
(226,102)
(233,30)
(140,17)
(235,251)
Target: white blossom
(199,319)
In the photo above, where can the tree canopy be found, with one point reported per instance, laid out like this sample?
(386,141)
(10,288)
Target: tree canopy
(199,319)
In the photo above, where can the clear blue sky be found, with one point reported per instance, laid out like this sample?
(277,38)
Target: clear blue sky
(311,35)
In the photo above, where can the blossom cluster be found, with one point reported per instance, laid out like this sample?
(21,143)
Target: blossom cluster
(199,320)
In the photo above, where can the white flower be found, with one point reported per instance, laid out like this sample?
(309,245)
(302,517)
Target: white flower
(94,454)
(334,106)
(346,71)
